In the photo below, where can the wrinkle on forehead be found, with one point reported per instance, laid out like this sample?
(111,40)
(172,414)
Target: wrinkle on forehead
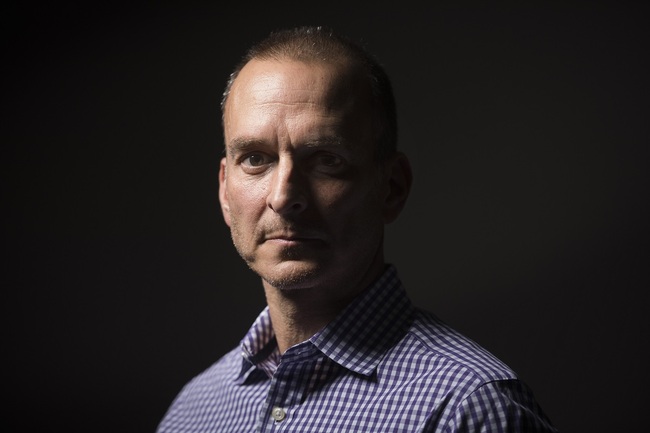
(294,103)
(328,85)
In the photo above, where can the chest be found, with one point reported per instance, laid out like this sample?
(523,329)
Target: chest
(319,395)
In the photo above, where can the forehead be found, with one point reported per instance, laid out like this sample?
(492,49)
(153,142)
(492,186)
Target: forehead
(291,95)
(329,84)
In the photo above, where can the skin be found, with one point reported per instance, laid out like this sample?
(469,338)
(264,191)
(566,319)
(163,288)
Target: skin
(301,191)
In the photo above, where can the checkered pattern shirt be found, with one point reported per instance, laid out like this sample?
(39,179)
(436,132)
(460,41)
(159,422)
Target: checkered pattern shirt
(381,366)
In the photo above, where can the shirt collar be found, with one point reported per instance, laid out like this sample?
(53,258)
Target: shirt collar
(367,328)
(357,339)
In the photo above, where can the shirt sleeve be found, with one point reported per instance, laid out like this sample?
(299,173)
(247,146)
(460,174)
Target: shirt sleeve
(506,406)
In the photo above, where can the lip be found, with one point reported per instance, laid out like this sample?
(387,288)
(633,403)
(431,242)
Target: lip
(296,239)
(292,238)
(293,242)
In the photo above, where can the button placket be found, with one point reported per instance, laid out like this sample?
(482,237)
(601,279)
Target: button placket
(278,414)
(288,386)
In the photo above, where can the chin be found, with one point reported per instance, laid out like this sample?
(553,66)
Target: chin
(292,275)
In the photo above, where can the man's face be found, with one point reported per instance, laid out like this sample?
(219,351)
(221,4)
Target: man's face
(300,187)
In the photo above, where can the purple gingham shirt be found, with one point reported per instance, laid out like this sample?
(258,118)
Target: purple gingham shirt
(380,366)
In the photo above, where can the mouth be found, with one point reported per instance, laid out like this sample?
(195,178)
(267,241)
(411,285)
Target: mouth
(292,238)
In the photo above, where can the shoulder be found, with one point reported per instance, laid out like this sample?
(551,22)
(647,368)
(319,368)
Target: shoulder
(500,406)
(439,364)
(471,386)
(429,338)
(201,387)
(226,368)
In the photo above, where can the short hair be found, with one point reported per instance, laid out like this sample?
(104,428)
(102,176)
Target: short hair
(323,44)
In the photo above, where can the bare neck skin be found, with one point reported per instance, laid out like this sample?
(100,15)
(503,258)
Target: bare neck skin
(298,314)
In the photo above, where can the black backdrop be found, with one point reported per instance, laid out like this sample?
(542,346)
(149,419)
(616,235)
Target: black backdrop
(527,227)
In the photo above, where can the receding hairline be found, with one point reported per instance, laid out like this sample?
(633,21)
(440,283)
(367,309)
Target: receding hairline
(330,50)
(324,45)
(342,67)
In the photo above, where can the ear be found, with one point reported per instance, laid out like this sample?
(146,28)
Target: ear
(400,178)
(223,194)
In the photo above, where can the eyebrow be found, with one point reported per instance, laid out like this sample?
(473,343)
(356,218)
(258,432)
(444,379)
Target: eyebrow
(241,144)
(328,141)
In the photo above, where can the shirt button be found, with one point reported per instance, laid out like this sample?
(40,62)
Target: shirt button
(278,414)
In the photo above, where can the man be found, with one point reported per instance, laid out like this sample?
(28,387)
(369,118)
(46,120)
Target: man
(310,177)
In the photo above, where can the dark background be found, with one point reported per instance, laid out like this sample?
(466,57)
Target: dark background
(527,126)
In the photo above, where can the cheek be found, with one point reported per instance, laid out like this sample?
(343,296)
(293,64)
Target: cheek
(245,200)
(333,197)
(349,201)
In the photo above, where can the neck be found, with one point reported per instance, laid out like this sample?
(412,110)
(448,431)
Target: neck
(298,314)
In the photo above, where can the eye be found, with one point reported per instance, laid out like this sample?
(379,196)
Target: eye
(255,160)
(329,160)
(329,163)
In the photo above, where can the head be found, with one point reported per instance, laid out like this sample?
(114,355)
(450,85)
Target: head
(313,44)
(311,173)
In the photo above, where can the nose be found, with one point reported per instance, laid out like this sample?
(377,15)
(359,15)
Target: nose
(287,194)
